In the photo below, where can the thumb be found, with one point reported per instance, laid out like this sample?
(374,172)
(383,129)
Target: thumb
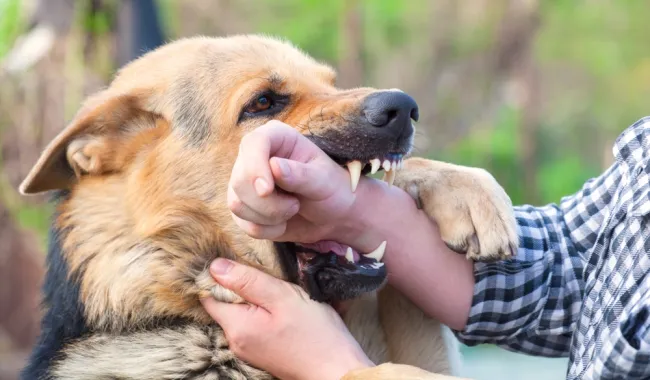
(251,284)
(226,314)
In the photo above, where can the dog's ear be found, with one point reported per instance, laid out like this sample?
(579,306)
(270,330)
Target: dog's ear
(90,144)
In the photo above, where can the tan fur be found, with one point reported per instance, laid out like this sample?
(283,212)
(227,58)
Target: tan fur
(391,371)
(411,336)
(147,162)
(472,210)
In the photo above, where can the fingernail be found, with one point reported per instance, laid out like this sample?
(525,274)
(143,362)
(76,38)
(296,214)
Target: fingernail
(220,266)
(261,186)
(284,168)
(293,210)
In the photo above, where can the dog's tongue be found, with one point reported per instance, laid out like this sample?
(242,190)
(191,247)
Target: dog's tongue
(325,246)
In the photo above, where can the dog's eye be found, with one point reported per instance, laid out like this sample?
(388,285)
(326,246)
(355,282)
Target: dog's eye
(262,103)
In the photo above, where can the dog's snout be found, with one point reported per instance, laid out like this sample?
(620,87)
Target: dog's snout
(390,108)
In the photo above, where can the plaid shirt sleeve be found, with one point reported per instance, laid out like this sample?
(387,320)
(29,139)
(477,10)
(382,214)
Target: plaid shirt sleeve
(530,303)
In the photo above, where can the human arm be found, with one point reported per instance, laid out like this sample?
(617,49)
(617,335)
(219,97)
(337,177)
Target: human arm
(527,303)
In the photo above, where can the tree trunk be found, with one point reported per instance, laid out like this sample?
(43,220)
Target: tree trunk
(351,71)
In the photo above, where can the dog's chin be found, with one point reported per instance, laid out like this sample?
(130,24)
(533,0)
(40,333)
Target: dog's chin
(331,275)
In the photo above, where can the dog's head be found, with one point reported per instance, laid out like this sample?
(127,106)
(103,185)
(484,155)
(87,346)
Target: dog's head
(151,155)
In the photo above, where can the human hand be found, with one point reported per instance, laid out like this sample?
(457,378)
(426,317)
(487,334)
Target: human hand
(277,154)
(281,330)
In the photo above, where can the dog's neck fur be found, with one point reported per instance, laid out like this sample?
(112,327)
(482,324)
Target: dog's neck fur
(126,273)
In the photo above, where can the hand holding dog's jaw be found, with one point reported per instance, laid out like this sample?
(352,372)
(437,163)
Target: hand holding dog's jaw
(315,191)
(282,331)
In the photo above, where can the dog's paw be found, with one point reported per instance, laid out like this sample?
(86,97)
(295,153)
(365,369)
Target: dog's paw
(473,212)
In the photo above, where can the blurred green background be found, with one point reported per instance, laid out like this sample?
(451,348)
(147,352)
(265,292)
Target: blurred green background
(533,91)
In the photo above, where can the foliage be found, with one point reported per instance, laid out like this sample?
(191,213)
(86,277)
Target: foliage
(601,43)
(591,58)
(11,23)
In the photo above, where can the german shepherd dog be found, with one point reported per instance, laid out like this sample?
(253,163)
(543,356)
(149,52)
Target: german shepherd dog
(139,179)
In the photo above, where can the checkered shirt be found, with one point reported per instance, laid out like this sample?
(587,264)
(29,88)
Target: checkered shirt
(580,284)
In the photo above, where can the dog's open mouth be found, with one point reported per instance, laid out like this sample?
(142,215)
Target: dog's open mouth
(390,163)
(330,271)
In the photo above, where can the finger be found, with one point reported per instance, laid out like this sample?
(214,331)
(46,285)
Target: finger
(249,283)
(260,231)
(274,209)
(308,179)
(251,175)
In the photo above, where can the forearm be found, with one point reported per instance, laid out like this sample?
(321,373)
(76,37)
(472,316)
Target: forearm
(438,280)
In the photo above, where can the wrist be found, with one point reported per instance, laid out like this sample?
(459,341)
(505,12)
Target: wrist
(374,215)
(418,262)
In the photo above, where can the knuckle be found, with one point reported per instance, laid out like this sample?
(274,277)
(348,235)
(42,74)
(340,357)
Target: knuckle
(247,139)
(254,230)
(235,205)
(237,181)
(276,214)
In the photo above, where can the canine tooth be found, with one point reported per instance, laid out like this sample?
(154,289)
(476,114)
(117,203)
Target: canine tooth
(355,173)
(349,255)
(389,177)
(375,163)
(378,253)
(386,165)
(400,165)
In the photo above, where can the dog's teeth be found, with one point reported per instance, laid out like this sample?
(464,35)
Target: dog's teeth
(389,177)
(386,165)
(376,163)
(378,253)
(400,165)
(349,255)
(355,173)
(393,166)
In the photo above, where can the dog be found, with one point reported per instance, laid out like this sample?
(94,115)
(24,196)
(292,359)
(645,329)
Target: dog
(139,180)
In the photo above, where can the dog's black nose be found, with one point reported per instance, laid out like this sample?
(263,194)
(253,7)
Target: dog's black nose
(392,109)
